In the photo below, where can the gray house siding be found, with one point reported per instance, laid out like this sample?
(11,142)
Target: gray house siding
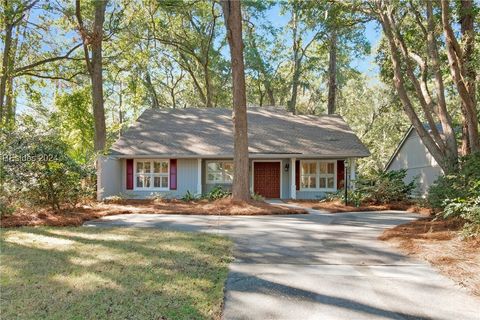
(109,177)
(186,180)
(414,156)
(113,180)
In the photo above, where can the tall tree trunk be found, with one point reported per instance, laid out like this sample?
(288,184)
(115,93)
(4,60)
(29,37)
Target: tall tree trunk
(97,77)
(153,92)
(292,103)
(9,103)
(470,73)
(208,87)
(5,66)
(437,152)
(460,71)
(233,23)
(332,73)
(94,39)
(442,112)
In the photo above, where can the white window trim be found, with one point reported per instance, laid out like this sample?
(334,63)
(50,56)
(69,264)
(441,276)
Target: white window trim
(318,175)
(151,174)
(206,172)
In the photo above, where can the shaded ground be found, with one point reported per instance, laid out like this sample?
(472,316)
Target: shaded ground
(337,206)
(320,266)
(438,243)
(86,273)
(76,217)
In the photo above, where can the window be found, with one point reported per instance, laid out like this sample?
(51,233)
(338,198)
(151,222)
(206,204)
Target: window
(151,174)
(317,175)
(220,172)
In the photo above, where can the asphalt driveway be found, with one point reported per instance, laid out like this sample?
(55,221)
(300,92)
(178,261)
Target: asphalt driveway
(320,266)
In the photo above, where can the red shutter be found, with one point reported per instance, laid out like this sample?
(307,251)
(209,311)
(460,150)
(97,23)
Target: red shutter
(129,174)
(340,174)
(297,174)
(173,174)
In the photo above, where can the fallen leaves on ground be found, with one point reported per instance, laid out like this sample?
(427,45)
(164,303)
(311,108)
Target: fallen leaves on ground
(337,206)
(438,242)
(96,210)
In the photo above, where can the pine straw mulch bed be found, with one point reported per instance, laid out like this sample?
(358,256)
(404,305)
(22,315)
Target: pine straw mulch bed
(96,210)
(336,206)
(439,243)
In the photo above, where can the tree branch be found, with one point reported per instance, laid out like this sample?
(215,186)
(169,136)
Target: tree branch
(47,60)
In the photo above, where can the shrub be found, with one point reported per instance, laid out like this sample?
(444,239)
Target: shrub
(257,197)
(467,209)
(459,183)
(36,169)
(384,187)
(458,194)
(355,197)
(189,196)
(217,193)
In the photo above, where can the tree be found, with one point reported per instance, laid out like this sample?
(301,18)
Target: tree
(92,47)
(233,23)
(462,68)
(24,54)
(414,52)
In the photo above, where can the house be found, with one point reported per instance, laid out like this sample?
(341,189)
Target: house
(172,151)
(412,155)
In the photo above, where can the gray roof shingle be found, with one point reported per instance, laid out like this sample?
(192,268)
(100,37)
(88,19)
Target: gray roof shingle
(209,132)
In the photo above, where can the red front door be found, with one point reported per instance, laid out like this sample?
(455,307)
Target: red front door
(266,179)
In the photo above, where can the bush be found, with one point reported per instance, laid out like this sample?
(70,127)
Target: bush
(257,197)
(456,184)
(384,187)
(189,196)
(458,194)
(467,209)
(217,193)
(355,197)
(36,169)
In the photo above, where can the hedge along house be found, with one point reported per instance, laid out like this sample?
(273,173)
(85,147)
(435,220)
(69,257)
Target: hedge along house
(168,152)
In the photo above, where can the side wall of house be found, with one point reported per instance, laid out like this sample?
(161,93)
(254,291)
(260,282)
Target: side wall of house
(109,177)
(420,165)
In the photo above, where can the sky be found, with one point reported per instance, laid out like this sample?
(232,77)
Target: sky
(364,64)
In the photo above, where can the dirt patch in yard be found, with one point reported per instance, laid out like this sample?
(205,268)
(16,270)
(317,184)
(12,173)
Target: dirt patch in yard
(77,216)
(337,206)
(437,242)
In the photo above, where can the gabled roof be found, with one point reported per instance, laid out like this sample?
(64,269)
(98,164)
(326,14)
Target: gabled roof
(405,137)
(209,132)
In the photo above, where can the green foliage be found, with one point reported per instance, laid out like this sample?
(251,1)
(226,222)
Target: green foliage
(257,197)
(354,197)
(384,187)
(468,209)
(458,194)
(36,169)
(189,196)
(74,121)
(460,183)
(217,193)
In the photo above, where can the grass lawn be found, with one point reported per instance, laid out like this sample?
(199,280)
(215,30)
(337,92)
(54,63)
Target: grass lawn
(115,273)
